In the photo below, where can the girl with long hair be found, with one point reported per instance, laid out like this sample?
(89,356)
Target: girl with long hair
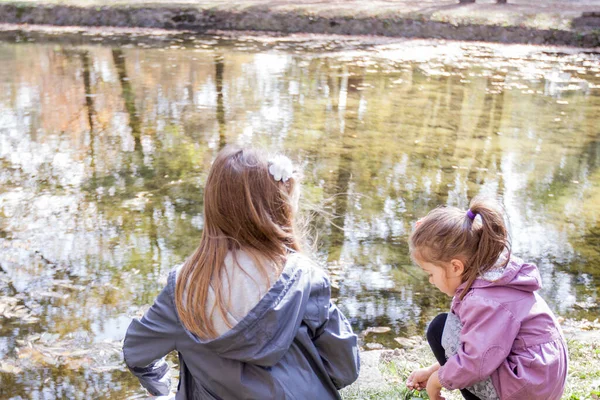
(249,314)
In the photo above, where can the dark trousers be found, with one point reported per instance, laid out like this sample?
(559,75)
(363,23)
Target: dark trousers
(434,337)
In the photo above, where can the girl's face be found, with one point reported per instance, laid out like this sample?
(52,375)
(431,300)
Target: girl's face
(445,277)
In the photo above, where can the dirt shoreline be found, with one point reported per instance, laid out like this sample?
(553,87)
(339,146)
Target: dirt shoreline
(572,27)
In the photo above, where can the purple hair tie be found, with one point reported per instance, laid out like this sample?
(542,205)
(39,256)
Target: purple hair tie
(471,215)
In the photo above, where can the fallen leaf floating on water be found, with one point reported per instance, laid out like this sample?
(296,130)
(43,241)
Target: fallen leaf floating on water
(9,368)
(78,288)
(376,329)
(107,368)
(7,303)
(10,309)
(54,295)
(72,352)
(589,305)
(36,356)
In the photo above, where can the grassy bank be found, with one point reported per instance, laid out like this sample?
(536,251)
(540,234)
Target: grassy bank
(387,370)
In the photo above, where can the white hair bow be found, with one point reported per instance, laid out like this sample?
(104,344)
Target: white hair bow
(281,168)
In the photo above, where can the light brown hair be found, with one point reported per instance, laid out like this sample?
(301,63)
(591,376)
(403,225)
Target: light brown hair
(244,209)
(448,233)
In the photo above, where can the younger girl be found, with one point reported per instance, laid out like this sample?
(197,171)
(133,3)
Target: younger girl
(500,340)
(249,315)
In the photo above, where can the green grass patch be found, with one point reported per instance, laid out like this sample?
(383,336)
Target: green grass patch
(583,382)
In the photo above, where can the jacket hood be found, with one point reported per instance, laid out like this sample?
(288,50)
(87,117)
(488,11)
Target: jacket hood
(265,334)
(516,275)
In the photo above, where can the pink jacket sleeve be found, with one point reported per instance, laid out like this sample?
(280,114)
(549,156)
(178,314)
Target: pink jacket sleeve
(486,338)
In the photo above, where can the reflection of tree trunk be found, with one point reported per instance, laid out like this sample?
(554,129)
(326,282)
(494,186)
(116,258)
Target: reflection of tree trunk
(491,116)
(488,125)
(155,252)
(190,87)
(219,68)
(89,102)
(453,105)
(340,206)
(586,161)
(442,113)
(128,97)
(429,117)
(591,154)
(135,125)
(12,290)
(589,246)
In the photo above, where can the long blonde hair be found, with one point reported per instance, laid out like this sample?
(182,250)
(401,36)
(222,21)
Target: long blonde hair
(244,209)
(448,233)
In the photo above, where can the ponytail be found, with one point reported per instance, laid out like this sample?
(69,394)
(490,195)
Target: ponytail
(493,235)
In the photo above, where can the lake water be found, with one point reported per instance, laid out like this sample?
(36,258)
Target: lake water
(104,152)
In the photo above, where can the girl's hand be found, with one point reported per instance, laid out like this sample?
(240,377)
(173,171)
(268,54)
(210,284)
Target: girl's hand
(417,380)
(434,387)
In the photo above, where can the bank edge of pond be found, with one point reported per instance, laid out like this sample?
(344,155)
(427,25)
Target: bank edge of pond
(185,39)
(384,372)
(201,19)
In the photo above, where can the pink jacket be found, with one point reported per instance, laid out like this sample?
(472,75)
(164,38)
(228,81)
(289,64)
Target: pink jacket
(510,334)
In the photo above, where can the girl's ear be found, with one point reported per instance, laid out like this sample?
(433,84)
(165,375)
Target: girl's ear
(457,267)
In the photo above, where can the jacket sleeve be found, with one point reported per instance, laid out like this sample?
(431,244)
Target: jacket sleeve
(338,347)
(486,338)
(148,340)
(333,337)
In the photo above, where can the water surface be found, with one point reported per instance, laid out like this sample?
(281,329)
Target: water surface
(104,152)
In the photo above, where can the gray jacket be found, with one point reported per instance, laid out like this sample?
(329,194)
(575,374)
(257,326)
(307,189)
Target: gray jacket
(294,344)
